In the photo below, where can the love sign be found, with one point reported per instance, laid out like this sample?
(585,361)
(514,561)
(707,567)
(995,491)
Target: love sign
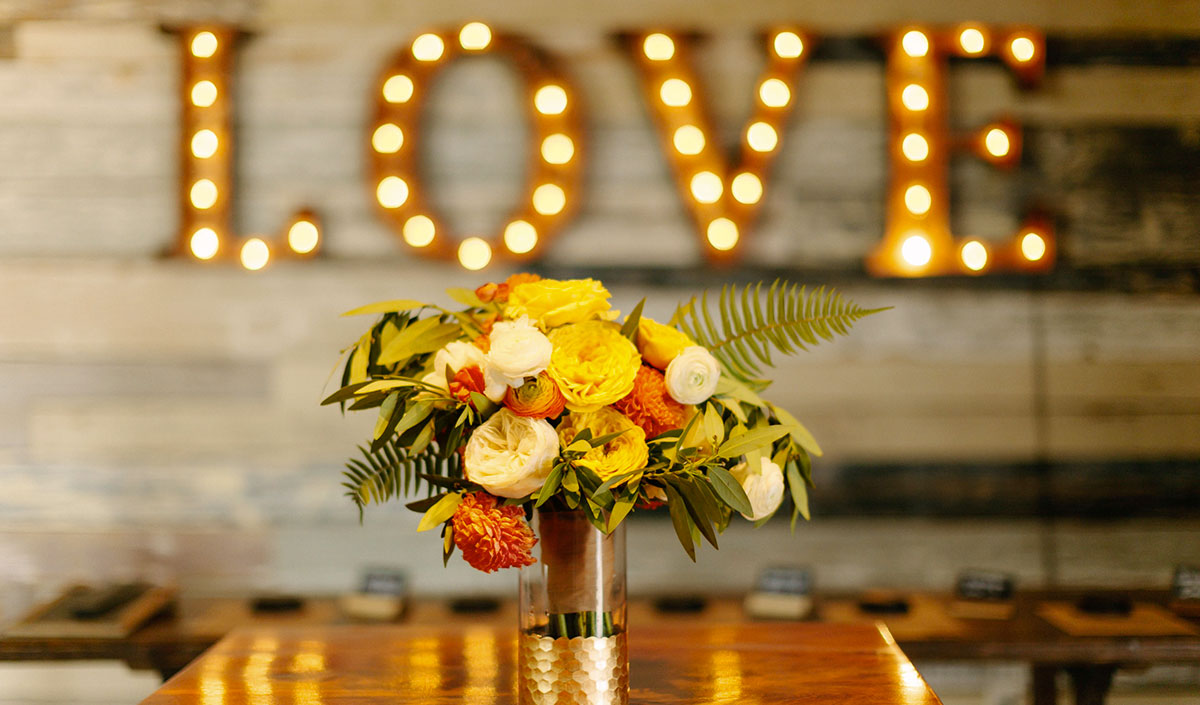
(722,196)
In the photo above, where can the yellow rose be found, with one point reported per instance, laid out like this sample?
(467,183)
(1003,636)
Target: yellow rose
(593,364)
(660,344)
(625,453)
(554,303)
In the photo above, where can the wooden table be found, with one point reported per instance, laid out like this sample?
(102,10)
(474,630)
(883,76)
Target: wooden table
(724,663)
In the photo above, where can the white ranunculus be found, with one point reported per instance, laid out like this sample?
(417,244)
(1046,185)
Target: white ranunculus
(692,376)
(510,455)
(764,487)
(518,350)
(458,355)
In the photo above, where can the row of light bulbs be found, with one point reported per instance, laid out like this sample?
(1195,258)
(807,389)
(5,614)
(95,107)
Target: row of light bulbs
(208,114)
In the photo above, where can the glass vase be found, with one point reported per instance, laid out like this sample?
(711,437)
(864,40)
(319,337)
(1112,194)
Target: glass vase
(572,642)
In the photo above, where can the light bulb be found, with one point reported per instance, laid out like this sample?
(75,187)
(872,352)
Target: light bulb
(915,43)
(916,250)
(788,45)
(255,254)
(204,243)
(915,148)
(774,93)
(917,199)
(761,137)
(1033,247)
(398,89)
(204,94)
(722,234)
(303,237)
(746,188)
(204,45)
(549,199)
(675,92)
(474,253)
(418,231)
(972,40)
(974,255)
(204,144)
(1022,49)
(387,139)
(475,36)
(914,97)
(550,100)
(558,149)
(428,47)
(520,237)
(689,140)
(658,47)
(203,194)
(392,192)
(706,187)
(996,142)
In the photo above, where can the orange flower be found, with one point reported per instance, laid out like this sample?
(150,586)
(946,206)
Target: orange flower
(499,292)
(489,292)
(467,380)
(519,278)
(490,536)
(538,398)
(649,405)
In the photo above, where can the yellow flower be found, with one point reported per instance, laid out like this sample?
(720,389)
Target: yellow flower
(593,364)
(625,453)
(660,344)
(554,303)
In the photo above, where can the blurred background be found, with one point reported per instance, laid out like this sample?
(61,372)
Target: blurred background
(159,416)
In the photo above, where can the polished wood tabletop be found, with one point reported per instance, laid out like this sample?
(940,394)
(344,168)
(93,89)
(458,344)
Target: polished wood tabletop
(755,664)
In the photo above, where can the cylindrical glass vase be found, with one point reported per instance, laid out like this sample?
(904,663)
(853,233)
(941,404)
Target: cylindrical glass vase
(571,645)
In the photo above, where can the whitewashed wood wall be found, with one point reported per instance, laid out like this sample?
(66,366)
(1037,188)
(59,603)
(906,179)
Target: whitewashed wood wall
(138,394)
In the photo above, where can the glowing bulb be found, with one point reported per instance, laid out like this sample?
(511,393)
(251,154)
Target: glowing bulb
(475,36)
(658,47)
(204,94)
(520,237)
(558,149)
(203,194)
(914,97)
(549,199)
(746,188)
(418,231)
(707,187)
(917,199)
(398,89)
(387,139)
(392,192)
(996,142)
(1022,49)
(788,45)
(1033,247)
(916,250)
(974,255)
(255,254)
(474,253)
(675,92)
(761,137)
(972,40)
(722,234)
(689,140)
(915,148)
(204,144)
(303,237)
(915,43)
(428,47)
(204,243)
(774,93)
(204,45)
(550,100)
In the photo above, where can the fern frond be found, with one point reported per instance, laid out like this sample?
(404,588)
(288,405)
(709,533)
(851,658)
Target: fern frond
(749,323)
(391,471)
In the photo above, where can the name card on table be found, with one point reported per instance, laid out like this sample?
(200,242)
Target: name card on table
(1186,584)
(781,592)
(985,585)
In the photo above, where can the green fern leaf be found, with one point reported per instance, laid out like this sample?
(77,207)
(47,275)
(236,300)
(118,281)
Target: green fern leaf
(393,470)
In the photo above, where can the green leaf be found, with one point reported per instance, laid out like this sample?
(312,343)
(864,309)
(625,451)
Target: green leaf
(753,439)
(697,505)
(423,336)
(601,440)
(714,426)
(729,490)
(680,520)
(386,413)
(360,359)
(346,392)
(630,328)
(620,510)
(381,385)
(578,447)
(386,307)
(798,489)
(423,505)
(799,433)
(440,512)
(550,486)
(466,297)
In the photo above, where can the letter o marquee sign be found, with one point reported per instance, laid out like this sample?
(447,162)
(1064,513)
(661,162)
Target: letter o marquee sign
(555,164)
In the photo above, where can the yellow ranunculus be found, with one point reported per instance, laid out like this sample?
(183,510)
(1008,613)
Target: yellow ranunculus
(592,363)
(660,344)
(553,302)
(625,453)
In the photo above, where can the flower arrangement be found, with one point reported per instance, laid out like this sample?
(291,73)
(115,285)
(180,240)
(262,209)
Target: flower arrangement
(537,393)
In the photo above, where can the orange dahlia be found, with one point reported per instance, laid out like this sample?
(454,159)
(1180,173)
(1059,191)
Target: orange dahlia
(491,536)
(538,398)
(468,379)
(649,405)
(499,292)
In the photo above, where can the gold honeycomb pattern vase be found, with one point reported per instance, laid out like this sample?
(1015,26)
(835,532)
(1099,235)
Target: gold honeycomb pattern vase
(577,671)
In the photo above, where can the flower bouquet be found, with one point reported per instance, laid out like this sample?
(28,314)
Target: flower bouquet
(535,413)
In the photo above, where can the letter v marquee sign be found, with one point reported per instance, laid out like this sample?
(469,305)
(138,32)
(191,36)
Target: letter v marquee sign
(722,198)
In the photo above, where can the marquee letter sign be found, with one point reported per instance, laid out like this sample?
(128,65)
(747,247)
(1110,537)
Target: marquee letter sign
(917,240)
(722,201)
(556,164)
(206,159)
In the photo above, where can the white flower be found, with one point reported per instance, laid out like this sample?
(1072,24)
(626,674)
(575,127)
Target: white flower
(518,350)
(458,355)
(510,455)
(764,487)
(692,376)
